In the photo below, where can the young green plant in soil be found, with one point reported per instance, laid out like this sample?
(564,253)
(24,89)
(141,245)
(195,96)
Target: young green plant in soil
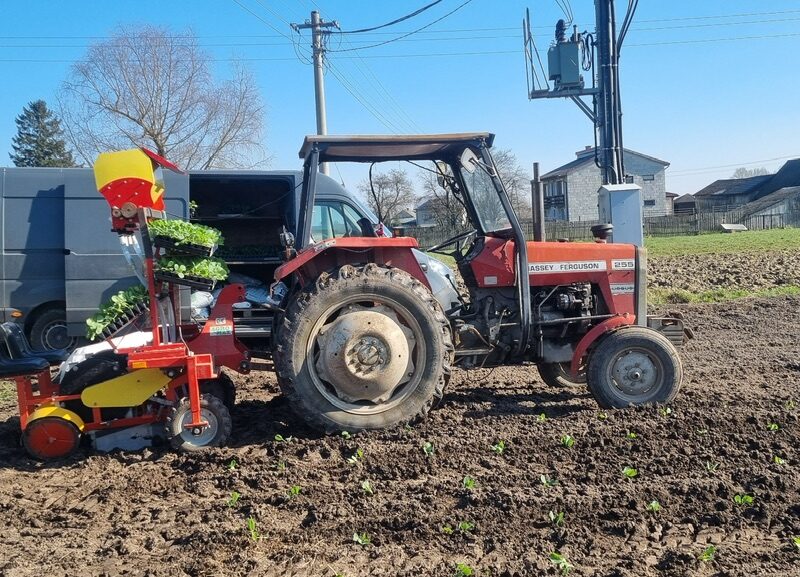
(499,447)
(182,232)
(209,268)
(252,527)
(561,562)
(708,554)
(120,305)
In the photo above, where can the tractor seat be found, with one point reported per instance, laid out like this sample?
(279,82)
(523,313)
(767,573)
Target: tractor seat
(19,367)
(19,348)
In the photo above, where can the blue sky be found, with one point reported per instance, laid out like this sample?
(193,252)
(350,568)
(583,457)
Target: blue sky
(707,85)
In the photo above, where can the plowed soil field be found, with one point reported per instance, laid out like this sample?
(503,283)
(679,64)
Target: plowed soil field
(158,513)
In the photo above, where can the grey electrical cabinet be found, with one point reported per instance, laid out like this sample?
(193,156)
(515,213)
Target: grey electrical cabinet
(621,205)
(564,65)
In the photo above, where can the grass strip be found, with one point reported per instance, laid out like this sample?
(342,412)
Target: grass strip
(661,296)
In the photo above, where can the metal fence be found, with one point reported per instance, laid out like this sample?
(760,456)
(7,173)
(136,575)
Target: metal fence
(671,225)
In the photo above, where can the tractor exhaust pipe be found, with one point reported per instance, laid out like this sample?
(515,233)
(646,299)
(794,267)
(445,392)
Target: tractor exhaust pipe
(537,205)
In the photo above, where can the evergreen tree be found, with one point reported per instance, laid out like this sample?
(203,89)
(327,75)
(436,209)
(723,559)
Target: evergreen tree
(40,139)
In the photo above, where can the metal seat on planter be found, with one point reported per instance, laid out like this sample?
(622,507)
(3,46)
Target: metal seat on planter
(19,348)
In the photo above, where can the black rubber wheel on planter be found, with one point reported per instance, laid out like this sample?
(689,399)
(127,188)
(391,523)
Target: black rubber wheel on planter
(213,411)
(363,348)
(222,387)
(49,331)
(634,366)
(558,375)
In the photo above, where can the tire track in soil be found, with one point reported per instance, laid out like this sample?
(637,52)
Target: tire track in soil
(159,513)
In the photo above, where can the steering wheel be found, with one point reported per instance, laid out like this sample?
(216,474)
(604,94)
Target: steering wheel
(464,236)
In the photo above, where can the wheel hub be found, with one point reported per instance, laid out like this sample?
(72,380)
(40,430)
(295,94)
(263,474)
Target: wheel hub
(199,436)
(634,373)
(365,354)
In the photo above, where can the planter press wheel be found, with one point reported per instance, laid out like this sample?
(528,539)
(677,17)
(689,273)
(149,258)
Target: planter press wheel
(213,411)
(51,438)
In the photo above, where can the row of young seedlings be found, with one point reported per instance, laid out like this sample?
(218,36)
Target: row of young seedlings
(557,518)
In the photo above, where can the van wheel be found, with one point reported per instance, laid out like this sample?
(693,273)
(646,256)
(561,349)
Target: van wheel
(49,331)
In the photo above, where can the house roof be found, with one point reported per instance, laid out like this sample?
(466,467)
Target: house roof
(672,195)
(772,198)
(787,176)
(684,199)
(587,156)
(731,186)
(763,185)
(427,204)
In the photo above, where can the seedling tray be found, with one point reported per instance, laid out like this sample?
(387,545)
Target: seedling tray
(195,282)
(175,248)
(124,320)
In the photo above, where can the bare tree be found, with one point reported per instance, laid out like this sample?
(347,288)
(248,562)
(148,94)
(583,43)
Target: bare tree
(448,212)
(742,172)
(150,87)
(389,194)
(516,179)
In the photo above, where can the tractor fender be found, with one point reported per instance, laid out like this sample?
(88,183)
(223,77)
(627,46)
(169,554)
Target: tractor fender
(59,412)
(313,260)
(594,334)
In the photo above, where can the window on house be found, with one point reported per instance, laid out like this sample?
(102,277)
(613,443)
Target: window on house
(648,177)
(650,202)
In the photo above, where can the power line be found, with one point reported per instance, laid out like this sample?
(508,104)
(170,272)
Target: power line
(456,9)
(427,54)
(372,78)
(375,112)
(393,22)
(700,170)
(269,24)
(454,30)
(705,40)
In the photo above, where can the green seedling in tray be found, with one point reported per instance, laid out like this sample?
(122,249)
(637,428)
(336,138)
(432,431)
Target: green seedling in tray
(182,232)
(117,311)
(208,268)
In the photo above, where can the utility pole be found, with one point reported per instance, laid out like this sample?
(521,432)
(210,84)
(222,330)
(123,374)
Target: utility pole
(317,26)
(565,58)
(608,111)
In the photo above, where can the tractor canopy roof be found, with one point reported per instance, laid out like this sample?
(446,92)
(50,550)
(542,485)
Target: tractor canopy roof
(377,148)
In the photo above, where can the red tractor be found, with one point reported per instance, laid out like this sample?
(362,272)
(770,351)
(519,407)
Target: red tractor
(370,328)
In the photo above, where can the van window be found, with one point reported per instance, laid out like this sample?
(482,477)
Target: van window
(333,219)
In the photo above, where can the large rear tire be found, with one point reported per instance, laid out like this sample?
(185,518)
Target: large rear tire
(363,348)
(634,366)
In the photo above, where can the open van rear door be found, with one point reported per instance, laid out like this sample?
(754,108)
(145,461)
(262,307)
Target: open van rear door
(94,265)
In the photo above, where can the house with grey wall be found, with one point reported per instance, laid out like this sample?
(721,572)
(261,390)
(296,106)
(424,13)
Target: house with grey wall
(570,191)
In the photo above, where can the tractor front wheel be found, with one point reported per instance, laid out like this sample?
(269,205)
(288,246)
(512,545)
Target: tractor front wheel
(363,348)
(634,366)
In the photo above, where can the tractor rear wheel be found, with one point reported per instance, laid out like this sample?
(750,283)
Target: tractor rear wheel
(558,375)
(363,348)
(634,366)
